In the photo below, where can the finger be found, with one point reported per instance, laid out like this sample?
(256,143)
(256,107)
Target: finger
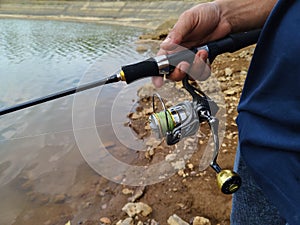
(200,70)
(158,81)
(182,27)
(180,71)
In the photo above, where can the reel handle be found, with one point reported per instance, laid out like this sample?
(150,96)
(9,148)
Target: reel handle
(228,181)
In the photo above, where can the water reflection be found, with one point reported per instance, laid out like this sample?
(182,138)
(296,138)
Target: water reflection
(39,159)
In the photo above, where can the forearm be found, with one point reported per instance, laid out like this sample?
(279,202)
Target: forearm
(243,15)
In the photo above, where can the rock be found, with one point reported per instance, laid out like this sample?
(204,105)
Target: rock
(141,48)
(127,191)
(38,198)
(153,222)
(133,209)
(27,186)
(147,127)
(171,157)
(135,116)
(105,220)
(68,223)
(139,192)
(181,173)
(178,165)
(60,198)
(149,111)
(176,220)
(228,71)
(146,91)
(153,142)
(199,220)
(190,166)
(104,206)
(127,221)
(230,92)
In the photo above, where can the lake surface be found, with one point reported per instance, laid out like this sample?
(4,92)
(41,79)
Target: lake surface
(39,156)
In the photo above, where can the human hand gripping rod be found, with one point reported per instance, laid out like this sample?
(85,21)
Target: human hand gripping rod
(161,65)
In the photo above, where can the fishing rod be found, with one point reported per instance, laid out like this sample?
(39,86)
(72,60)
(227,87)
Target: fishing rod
(161,65)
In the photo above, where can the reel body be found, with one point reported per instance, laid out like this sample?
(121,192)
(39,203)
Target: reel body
(175,122)
(183,120)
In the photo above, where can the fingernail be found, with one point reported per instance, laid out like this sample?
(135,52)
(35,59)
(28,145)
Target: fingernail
(202,55)
(167,41)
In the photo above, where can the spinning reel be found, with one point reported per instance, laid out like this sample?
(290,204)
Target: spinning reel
(183,120)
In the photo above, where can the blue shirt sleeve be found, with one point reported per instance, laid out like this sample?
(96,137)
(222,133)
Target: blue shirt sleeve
(269,111)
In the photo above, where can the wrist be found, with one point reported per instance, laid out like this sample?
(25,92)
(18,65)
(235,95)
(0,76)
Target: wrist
(244,15)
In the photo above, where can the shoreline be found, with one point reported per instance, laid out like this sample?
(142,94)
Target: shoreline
(131,22)
(142,14)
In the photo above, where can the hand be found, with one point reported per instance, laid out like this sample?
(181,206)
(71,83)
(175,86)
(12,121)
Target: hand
(196,26)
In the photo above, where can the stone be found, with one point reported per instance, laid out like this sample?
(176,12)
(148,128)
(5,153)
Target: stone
(133,209)
(170,157)
(146,91)
(153,222)
(141,48)
(137,194)
(199,220)
(105,220)
(178,165)
(59,198)
(228,71)
(135,116)
(127,191)
(190,166)
(153,142)
(27,186)
(176,220)
(127,221)
(230,92)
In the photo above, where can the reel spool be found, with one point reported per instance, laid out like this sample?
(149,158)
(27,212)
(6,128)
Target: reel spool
(183,120)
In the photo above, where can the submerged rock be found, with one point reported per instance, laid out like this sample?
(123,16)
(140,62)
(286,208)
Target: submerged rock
(59,198)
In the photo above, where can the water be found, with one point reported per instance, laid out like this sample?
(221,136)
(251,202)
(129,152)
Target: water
(39,157)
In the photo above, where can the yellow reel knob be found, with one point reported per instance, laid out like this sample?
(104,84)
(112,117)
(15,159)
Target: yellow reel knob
(228,181)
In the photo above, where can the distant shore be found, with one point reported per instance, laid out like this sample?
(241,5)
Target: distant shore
(145,14)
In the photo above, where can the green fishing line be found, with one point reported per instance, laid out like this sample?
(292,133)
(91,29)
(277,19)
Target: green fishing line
(161,117)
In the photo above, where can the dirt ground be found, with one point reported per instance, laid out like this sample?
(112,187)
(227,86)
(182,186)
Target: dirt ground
(188,194)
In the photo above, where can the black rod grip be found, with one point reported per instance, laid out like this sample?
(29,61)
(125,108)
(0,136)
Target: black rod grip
(149,67)
(232,43)
(140,70)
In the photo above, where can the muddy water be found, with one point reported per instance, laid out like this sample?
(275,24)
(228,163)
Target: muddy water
(41,168)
